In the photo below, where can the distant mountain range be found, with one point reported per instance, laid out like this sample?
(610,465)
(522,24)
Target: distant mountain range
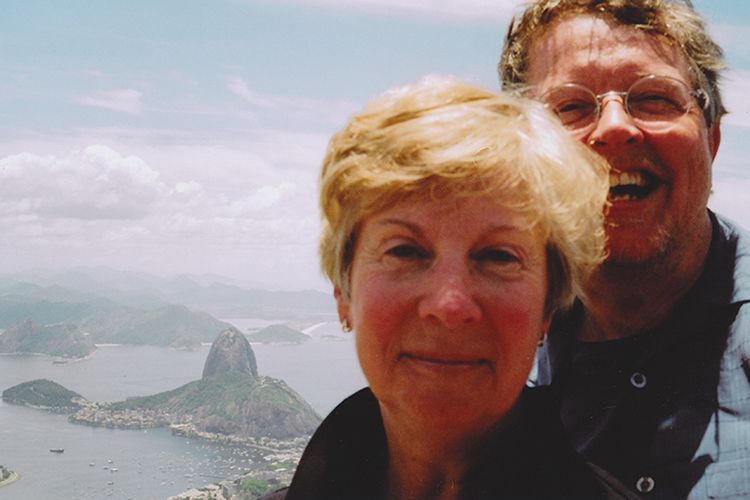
(127,308)
(218,296)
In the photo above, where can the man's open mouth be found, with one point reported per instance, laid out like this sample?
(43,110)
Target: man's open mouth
(630,186)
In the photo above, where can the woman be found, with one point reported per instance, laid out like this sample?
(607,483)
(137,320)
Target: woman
(455,222)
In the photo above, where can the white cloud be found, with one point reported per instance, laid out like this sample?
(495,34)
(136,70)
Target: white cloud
(122,100)
(88,184)
(190,187)
(294,107)
(484,10)
(263,198)
(239,87)
(168,209)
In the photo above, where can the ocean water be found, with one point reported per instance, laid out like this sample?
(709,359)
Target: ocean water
(149,463)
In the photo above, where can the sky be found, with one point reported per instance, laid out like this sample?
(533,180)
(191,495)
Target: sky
(185,136)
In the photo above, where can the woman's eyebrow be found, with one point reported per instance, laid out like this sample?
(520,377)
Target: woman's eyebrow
(414,228)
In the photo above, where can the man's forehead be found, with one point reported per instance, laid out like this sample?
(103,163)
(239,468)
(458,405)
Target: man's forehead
(583,42)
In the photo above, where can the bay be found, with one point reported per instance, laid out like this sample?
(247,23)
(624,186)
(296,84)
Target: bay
(150,463)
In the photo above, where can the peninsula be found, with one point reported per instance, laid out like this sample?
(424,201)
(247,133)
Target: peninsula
(64,341)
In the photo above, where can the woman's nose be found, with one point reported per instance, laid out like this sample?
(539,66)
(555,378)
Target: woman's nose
(449,299)
(615,126)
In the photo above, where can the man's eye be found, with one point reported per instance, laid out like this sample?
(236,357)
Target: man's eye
(646,104)
(407,252)
(573,111)
(577,106)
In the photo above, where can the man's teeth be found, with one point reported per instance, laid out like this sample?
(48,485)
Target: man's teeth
(629,186)
(626,179)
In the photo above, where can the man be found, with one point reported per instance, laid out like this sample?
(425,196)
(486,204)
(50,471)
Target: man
(652,365)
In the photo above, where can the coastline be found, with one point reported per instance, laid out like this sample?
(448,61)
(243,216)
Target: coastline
(53,357)
(14,476)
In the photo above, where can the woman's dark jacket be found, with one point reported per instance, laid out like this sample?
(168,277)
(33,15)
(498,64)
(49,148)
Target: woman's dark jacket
(347,458)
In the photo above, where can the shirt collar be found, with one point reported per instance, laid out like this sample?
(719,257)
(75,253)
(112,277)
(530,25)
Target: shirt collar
(725,278)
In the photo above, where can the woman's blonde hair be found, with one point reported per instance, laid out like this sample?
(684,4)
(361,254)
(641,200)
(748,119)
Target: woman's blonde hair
(441,138)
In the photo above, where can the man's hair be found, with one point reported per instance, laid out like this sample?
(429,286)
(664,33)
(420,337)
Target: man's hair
(443,139)
(675,20)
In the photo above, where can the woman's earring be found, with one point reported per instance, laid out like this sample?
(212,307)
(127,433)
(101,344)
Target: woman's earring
(346,326)
(542,340)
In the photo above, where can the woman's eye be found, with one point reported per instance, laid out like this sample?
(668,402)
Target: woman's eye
(497,256)
(406,252)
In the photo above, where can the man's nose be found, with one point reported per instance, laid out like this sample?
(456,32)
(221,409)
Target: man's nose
(450,298)
(615,126)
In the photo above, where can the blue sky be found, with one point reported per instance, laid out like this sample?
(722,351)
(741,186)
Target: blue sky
(177,136)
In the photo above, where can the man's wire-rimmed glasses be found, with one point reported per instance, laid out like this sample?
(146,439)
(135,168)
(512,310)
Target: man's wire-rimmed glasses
(653,102)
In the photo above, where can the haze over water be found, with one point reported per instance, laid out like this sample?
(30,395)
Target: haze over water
(150,463)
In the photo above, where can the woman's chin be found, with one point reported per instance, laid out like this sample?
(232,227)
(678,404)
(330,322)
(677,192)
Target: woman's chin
(452,406)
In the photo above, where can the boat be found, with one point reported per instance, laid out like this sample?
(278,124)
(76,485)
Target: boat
(57,450)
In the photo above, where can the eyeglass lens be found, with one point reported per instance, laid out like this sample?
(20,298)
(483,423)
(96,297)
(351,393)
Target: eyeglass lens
(652,101)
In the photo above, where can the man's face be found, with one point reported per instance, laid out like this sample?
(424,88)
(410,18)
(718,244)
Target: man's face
(661,178)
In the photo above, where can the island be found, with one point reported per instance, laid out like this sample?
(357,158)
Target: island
(7,476)
(278,334)
(45,394)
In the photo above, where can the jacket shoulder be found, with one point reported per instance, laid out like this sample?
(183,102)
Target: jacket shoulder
(279,494)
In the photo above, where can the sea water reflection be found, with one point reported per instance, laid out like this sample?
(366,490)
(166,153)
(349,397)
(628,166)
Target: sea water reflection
(152,463)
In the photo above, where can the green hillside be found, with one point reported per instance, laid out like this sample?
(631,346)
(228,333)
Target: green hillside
(57,340)
(172,325)
(234,403)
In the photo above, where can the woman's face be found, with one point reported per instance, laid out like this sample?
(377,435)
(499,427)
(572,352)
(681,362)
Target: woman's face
(447,300)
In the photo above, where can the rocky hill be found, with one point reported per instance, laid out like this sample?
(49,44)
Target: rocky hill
(45,395)
(230,352)
(28,337)
(229,400)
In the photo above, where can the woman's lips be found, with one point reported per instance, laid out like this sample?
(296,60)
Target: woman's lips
(437,360)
